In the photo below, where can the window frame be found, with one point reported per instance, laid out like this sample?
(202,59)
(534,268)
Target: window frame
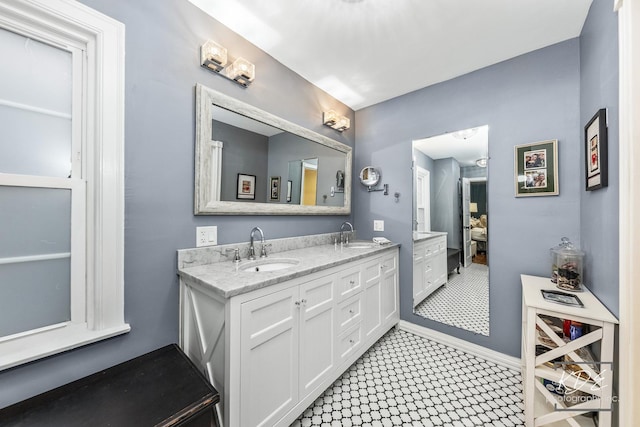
(97,304)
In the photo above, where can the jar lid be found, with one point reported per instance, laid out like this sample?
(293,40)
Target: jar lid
(566,248)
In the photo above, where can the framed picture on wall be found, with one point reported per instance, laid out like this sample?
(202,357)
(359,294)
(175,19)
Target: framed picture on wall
(536,169)
(246,187)
(275,188)
(596,157)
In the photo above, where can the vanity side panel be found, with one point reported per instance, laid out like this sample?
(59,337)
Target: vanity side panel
(203,334)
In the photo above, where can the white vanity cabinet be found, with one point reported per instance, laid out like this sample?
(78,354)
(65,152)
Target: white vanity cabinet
(429,266)
(272,351)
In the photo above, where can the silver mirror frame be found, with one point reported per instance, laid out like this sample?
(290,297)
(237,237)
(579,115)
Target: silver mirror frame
(206,161)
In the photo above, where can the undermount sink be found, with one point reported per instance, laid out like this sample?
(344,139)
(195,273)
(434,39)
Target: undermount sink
(265,265)
(361,245)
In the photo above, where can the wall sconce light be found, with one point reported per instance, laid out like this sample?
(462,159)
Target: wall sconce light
(473,207)
(482,162)
(333,120)
(214,57)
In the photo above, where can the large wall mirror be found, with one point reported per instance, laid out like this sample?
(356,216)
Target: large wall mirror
(450,198)
(251,162)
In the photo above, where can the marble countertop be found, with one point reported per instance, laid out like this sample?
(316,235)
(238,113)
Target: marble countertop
(419,236)
(227,279)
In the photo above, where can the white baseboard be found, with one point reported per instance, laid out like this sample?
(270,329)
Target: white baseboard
(457,343)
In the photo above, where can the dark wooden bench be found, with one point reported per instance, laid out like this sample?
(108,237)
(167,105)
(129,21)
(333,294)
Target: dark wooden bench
(453,260)
(160,388)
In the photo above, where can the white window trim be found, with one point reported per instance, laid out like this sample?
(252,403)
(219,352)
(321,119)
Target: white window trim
(103,40)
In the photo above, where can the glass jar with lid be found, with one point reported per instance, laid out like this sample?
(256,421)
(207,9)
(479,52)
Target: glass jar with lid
(566,266)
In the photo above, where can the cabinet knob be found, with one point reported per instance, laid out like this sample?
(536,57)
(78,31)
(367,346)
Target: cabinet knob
(304,302)
(297,304)
(352,282)
(351,341)
(351,312)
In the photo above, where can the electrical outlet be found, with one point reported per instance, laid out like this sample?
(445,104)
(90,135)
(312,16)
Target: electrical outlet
(378,225)
(206,236)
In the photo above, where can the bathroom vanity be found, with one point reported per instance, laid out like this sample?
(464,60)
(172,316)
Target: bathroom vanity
(429,263)
(273,334)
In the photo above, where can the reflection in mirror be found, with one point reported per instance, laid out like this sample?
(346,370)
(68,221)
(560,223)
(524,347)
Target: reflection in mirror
(303,175)
(294,169)
(450,229)
(369,176)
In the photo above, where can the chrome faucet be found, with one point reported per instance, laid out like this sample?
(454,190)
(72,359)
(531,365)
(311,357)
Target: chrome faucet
(252,251)
(342,238)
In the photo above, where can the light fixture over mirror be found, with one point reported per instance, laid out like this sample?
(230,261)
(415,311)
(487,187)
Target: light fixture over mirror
(450,198)
(334,120)
(290,170)
(213,57)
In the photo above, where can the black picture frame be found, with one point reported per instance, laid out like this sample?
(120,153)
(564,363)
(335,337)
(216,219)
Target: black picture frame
(246,189)
(274,185)
(596,152)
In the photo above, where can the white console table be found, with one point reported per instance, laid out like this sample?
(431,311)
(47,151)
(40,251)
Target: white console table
(590,385)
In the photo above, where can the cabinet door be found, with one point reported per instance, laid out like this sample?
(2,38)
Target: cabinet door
(372,319)
(318,331)
(440,264)
(389,286)
(269,357)
(418,274)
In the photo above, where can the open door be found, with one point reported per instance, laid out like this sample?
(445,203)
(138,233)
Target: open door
(466,221)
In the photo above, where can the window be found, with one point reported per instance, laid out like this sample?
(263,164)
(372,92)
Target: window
(61,178)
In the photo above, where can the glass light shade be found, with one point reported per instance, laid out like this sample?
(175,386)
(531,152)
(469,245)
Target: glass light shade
(213,55)
(330,118)
(342,124)
(242,71)
(482,162)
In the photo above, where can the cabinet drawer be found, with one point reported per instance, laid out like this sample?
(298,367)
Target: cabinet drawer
(349,283)
(349,313)
(430,249)
(349,342)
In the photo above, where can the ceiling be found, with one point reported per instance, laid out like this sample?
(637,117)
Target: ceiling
(466,148)
(363,52)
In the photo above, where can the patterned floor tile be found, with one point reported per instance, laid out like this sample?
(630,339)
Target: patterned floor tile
(407,380)
(463,302)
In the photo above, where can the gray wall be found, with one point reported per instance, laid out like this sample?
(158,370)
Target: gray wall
(285,147)
(445,203)
(243,152)
(162,67)
(599,209)
(530,98)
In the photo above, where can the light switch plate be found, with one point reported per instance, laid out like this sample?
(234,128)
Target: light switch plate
(378,225)
(206,236)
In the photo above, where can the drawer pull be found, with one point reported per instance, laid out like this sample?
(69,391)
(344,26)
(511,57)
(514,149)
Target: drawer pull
(352,282)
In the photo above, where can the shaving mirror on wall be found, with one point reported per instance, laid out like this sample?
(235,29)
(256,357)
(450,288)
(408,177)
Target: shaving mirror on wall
(450,196)
(236,138)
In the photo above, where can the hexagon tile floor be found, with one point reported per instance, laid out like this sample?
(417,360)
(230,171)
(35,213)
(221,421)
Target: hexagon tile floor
(463,302)
(407,380)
